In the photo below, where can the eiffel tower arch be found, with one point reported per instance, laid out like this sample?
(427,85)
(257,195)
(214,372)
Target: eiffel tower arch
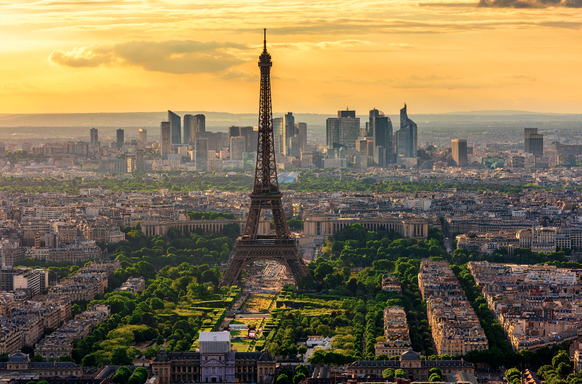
(281,246)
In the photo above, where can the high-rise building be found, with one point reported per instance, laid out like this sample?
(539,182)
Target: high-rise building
(193,124)
(278,129)
(26,147)
(373,113)
(459,147)
(381,128)
(237,147)
(288,133)
(166,138)
(94,137)
(2,150)
(143,136)
(175,127)
(302,133)
(407,136)
(201,146)
(120,138)
(251,138)
(249,133)
(343,130)
(534,142)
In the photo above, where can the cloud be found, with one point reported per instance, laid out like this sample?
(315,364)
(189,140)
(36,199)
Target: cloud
(450,82)
(530,3)
(177,57)
(439,4)
(327,45)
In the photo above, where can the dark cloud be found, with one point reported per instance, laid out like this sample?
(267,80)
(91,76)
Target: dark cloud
(530,3)
(178,57)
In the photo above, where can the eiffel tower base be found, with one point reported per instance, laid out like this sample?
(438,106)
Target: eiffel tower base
(285,254)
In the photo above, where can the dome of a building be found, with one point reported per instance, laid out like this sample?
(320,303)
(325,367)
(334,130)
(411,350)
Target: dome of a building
(410,355)
(18,357)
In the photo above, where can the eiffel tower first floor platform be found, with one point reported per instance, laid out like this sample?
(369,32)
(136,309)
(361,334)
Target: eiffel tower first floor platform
(284,252)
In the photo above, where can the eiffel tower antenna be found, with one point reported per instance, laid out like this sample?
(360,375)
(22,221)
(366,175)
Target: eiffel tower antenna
(251,246)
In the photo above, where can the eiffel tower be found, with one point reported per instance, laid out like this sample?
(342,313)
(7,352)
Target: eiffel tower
(251,246)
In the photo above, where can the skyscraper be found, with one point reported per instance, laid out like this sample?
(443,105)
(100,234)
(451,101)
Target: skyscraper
(192,125)
(278,133)
(94,137)
(343,130)
(459,147)
(143,135)
(175,127)
(407,136)
(373,113)
(534,142)
(237,147)
(251,136)
(381,128)
(201,145)
(302,132)
(165,138)
(120,138)
(288,133)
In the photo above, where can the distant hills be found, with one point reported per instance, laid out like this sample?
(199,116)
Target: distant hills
(472,124)
(224,119)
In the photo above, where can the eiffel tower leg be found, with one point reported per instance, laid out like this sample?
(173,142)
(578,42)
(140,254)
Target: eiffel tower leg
(281,227)
(234,269)
(252,226)
(295,264)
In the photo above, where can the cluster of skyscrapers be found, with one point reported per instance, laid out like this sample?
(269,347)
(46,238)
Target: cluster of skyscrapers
(289,136)
(238,145)
(377,144)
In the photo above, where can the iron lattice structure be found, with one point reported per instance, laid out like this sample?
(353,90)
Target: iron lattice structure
(251,246)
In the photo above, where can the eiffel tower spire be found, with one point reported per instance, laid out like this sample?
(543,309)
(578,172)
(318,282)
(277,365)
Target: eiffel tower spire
(251,246)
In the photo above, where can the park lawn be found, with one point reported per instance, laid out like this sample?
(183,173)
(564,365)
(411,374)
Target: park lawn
(241,345)
(258,303)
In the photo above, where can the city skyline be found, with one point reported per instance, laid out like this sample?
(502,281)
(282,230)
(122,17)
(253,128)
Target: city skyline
(439,56)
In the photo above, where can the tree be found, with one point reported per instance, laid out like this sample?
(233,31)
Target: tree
(388,373)
(560,357)
(299,377)
(120,357)
(400,373)
(89,360)
(513,376)
(563,369)
(302,350)
(283,379)
(75,309)
(434,378)
(37,359)
(301,368)
(64,358)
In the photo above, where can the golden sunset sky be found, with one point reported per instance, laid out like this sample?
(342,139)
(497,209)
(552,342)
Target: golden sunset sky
(435,55)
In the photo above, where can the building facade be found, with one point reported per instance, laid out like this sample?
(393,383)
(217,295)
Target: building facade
(216,362)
